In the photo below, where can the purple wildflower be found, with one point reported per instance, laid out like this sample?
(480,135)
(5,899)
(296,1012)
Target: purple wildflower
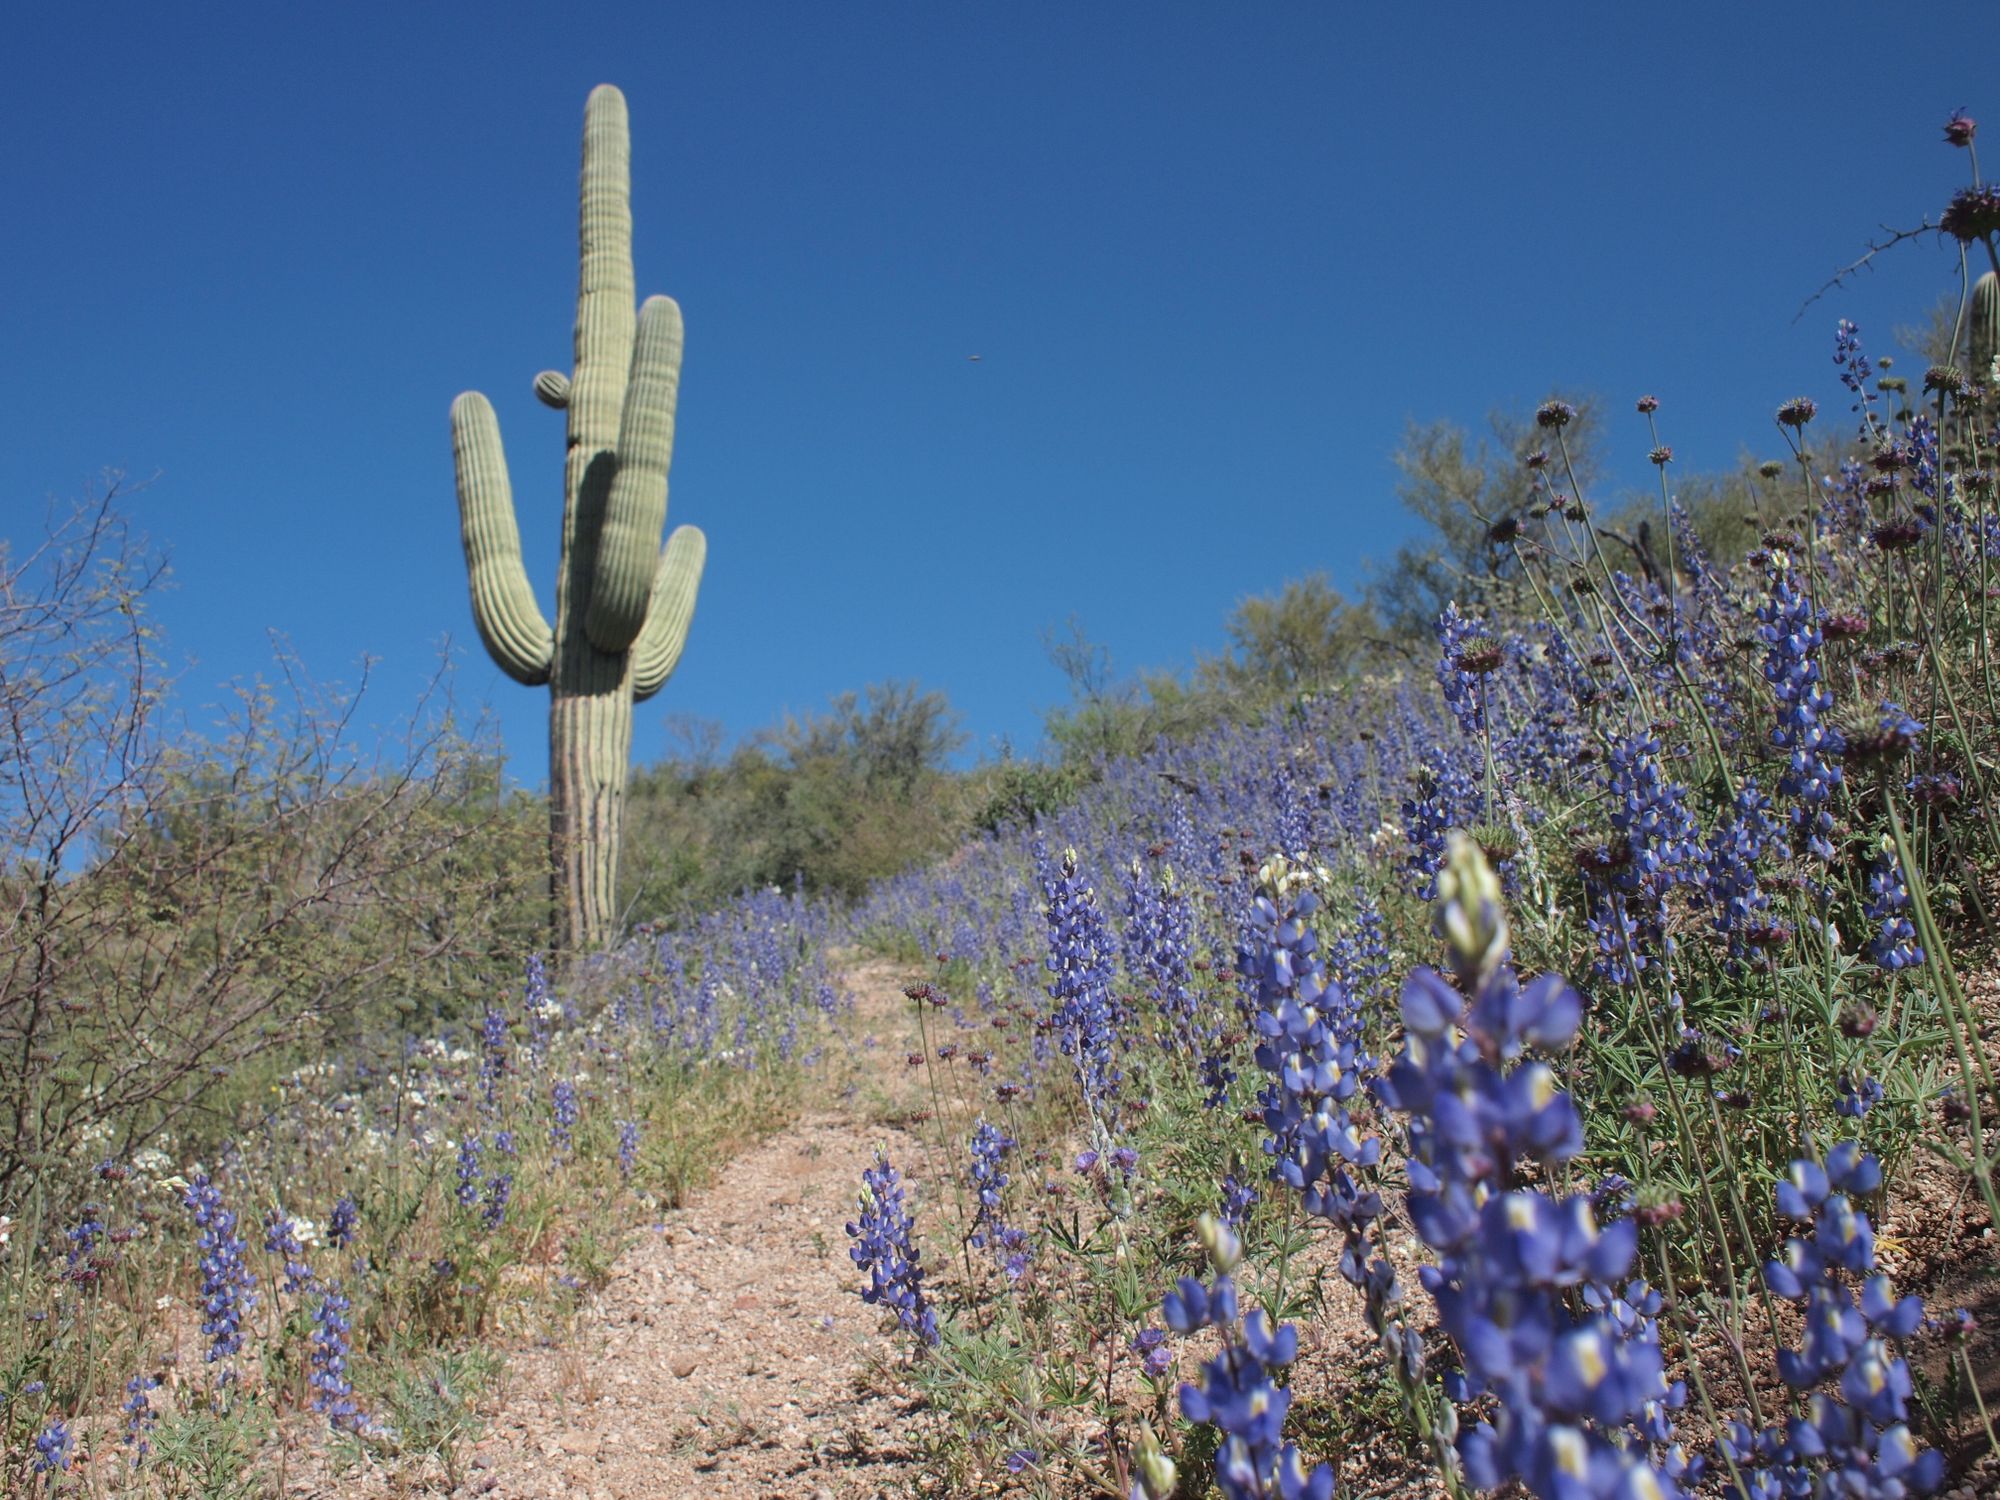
(884,1247)
(226,1282)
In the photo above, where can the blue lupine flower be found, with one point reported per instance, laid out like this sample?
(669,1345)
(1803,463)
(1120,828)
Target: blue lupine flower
(499,1186)
(989,1148)
(1238,1394)
(1923,439)
(1655,848)
(1792,638)
(562,1116)
(1465,656)
(1296,807)
(1650,816)
(52,1448)
(281,1238)
(333,1392)
(1855,1099)
(140,1418)
(340,1225)
(469,1151)
(1447,796)
(1079,961)
(492,1057)
(81,1264)
(628,1148)
(1359,957)
(1857,371)
(540,1009)
(1149,1345)
(1238,1198)
(884,1247)
(1310,1048)
(1895,944)
(1159,954)
(1735,849)
(1859,1442)
(226,1282)
(1568,1390)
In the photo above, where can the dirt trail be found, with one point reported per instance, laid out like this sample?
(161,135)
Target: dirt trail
(725,1356)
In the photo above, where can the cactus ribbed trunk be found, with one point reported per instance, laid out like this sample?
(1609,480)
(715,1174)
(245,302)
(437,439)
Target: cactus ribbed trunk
(623,602)
(590,739)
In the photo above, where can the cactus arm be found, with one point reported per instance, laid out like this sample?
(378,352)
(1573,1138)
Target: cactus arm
(1985,326)
(503,602)
(605,297)
(658,649)
(629,535)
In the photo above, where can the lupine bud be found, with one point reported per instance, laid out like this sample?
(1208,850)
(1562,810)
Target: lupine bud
(1470,917)
(1157,1473)
(1224,1249)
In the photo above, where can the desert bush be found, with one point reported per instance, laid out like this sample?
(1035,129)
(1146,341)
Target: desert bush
(179,905)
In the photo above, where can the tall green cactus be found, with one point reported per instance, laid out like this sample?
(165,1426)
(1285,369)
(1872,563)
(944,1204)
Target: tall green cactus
(1985,326)
(623,602)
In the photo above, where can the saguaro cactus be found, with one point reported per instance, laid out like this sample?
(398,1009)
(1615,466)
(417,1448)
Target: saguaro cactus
(623,602)
(1985,326)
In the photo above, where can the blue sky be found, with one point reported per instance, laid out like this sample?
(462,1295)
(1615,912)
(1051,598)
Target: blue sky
(1212,257)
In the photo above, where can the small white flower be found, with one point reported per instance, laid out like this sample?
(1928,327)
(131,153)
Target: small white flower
(6,1230)
(161,1304)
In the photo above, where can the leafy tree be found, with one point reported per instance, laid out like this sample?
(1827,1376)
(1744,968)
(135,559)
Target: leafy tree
(1304,638)
(1462,488)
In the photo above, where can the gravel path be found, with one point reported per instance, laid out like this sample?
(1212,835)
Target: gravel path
(726,1356)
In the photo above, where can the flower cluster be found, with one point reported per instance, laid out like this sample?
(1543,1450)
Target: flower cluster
(1239,1394)
(333,1392)
(1894,945)
(1792,638)
(341,1224)
(540,1008)
(563,1111)
(1857,1442)
(1080,966)
(226,1281)
(1359,957)
(989,1148)
(1238,1198)
(469,1151)
(81,1265)
(1735,849)
(628,1148)
(1159,951)
(1465,656)
(1568,1391)
(499,1185)
(884,1247)
(492,1057)
(1446,796)
(140,1418)
(287,1238)
(52,1447)
(1310,1048)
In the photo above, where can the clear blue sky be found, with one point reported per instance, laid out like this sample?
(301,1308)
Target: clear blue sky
(1212,258)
